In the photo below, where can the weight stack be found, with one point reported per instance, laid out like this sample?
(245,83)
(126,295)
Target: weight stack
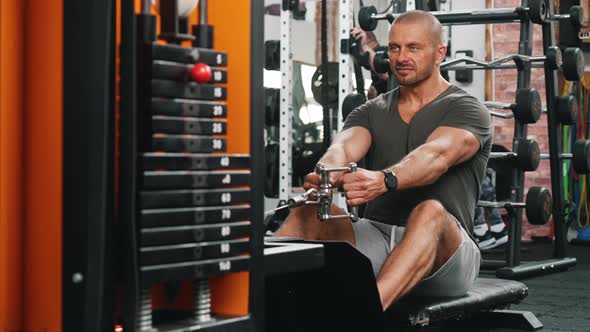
(190,206)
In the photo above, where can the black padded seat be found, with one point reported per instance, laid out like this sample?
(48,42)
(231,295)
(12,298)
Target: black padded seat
(341,295)
(486,294)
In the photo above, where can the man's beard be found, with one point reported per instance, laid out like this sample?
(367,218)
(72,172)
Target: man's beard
(416,78)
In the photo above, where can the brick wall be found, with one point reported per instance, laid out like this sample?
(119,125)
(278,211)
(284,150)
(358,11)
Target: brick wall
(505,41)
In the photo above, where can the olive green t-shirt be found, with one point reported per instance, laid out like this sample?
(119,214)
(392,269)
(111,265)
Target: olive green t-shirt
(393,139)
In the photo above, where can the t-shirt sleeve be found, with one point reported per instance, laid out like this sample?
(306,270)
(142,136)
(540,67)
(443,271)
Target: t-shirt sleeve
(469,114)
(359,117)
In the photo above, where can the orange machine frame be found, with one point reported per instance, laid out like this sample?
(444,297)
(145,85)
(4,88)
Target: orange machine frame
(30,173)
(11,174)
(43,127)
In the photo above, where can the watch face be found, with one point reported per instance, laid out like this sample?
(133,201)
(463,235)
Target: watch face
(390,180)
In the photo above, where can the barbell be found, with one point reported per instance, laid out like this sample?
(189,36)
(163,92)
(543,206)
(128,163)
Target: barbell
(526,107)
(537,12)
(566,107)
(571,62)
(538,205)
(528,155)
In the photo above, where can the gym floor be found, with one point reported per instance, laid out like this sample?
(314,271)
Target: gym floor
(561,301)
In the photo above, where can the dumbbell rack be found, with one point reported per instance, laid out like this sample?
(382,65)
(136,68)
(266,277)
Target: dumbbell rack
(186,206)
(512,267)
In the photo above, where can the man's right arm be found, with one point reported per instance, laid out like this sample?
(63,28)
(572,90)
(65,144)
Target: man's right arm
(350,145)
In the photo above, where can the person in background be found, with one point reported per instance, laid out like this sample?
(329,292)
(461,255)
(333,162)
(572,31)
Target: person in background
(368,45)
(496,233)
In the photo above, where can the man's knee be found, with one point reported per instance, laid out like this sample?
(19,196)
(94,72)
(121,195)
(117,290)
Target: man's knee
(433,222)
(431,208)
(429,213)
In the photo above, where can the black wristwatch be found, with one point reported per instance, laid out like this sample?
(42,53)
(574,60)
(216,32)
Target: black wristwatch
(390,180)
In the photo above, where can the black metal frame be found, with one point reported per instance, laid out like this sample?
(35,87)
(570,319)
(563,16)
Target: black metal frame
(554,146)
(551,88)
(128,165)
(520,131)
(257,299)
(88,172)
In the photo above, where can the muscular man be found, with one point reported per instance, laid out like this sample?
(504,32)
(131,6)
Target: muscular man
(427,145)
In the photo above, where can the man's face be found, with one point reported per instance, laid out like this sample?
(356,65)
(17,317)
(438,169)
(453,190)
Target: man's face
(413,53)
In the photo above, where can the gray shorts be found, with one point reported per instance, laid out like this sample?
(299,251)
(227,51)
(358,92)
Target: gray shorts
(377,240)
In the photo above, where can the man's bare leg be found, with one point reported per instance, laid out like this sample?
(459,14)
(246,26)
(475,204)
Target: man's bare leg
(431,237)
(303,222)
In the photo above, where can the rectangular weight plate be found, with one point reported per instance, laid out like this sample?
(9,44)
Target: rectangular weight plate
(187,107)
(194,179)
(192,270)
(193,126)
(181,72)
(192,252)
(161,236)
(187,90)
(188,143)
(197,161)
(181,54)
(202,197)
(192,216)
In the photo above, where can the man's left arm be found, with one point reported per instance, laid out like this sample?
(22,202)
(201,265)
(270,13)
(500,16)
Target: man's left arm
(444,148)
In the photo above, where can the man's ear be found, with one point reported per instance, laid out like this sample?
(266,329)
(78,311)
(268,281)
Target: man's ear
(441,53)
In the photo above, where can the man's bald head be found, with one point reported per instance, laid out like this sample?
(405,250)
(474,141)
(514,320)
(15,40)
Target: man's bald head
(425,19)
